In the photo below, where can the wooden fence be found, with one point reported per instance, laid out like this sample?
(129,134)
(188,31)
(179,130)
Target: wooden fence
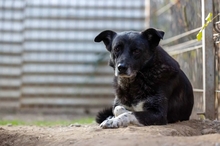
(197,59)
(47,54)
(48,59)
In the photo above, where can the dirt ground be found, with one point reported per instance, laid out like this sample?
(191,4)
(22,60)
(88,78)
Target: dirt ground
(193,133)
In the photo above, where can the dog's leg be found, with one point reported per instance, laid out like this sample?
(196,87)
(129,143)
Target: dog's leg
(122,120)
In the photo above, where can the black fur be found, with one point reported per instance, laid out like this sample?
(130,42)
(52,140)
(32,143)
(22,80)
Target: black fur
(145,72)
(103,115)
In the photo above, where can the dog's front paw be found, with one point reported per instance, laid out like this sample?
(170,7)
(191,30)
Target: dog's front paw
(122,120)
(110,123)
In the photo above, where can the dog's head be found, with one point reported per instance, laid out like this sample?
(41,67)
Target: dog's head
(130,51)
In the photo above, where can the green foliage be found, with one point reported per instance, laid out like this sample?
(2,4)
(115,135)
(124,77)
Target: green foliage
(208,20)
(47,123)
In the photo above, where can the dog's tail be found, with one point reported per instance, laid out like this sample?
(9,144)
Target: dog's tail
(104,114)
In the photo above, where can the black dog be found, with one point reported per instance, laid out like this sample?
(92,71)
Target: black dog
(150,87)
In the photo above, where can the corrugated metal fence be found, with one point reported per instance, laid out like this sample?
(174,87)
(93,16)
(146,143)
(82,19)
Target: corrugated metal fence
(47,54)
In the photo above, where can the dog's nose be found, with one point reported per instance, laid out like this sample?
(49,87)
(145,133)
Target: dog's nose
(122,68)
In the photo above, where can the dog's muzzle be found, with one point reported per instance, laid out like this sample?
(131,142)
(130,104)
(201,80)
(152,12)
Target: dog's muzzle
(123,70)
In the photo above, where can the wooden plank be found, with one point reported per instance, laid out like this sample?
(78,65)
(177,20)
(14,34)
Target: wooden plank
(12,26)
(32,79)
(62,109)
(179,51)
(65,68)
(41,12)
(12,4)
(177,37)
(84,24)
(12,49)
(35,46)
(208,63)
(11,37)
(11,15)
(85,4)
(9,104)
(9,94)
(66,101)
(56,90)
(10,60)
(179,46)
(183,47)
(10,71)
(58,35)
(218,103)
(64,57)
(10,82)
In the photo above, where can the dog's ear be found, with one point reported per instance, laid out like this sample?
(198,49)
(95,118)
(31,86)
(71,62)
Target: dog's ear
(153,36)
(106,36)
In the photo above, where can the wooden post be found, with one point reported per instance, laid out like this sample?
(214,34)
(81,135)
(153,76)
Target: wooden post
(147,13)
(208,63)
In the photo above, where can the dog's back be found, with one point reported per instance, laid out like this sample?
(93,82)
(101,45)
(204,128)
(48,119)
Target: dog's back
(178,90)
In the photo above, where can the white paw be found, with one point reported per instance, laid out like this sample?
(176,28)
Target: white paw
(122,120)
(110,123)
(118,110)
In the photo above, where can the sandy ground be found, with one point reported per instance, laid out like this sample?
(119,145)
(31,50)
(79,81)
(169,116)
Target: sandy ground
(193,133)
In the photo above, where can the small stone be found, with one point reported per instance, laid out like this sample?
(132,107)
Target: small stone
(2,128)
(74,125)
(77,125)
(71,142)
(207,121)
(208,131)
(9,125)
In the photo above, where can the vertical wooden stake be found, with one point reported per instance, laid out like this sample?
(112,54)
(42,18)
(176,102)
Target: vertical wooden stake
(208,63)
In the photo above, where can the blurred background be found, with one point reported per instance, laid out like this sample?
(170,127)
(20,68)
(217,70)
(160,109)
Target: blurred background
(49,63)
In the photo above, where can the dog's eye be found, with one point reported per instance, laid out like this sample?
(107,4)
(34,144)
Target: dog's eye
(136,52)
(117,49)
